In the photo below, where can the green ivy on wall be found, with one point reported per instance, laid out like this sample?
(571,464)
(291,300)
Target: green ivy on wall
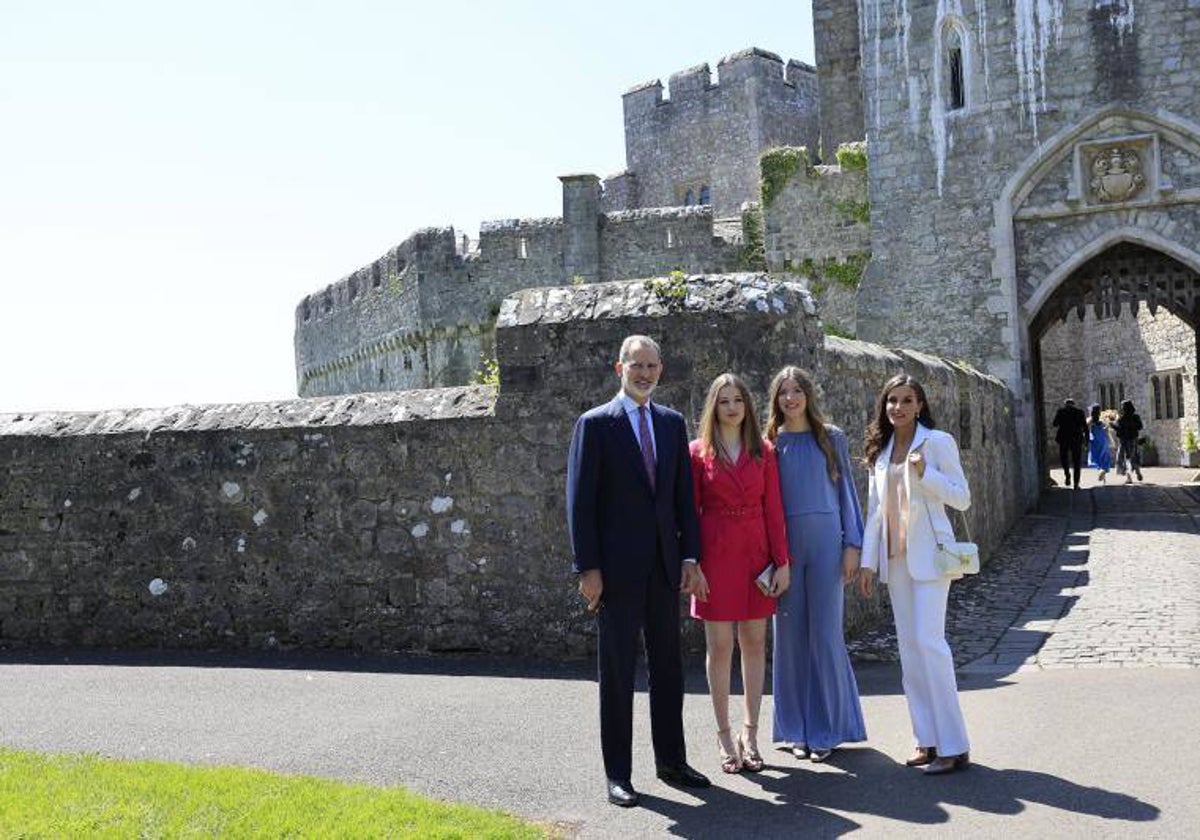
(777,166)
(847,272)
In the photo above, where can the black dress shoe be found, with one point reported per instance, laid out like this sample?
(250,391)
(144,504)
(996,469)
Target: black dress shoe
(683,776)
(622,793)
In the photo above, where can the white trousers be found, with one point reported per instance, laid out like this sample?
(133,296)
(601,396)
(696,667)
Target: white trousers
(919,608)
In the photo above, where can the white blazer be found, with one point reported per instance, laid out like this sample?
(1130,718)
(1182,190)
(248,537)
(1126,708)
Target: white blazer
(943,484)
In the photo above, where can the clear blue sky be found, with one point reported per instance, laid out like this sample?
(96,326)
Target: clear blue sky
(175,177)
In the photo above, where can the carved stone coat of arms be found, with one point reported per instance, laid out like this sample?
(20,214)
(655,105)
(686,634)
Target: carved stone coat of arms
(1117,174)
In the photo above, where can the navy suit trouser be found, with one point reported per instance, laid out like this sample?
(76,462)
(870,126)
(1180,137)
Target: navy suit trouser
(649,611)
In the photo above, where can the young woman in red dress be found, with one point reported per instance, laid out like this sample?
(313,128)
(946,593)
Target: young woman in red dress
(742,530)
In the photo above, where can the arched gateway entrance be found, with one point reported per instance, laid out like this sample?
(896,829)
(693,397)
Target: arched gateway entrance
(1121,325)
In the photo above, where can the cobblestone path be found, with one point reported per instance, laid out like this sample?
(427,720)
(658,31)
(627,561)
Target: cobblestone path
(1107,576)
(1135,597)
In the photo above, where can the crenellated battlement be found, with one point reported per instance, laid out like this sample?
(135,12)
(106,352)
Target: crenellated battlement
(755,102)
(691,82)
(385,274)
(732,71)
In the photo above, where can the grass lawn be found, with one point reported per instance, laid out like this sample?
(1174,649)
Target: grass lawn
(87,796)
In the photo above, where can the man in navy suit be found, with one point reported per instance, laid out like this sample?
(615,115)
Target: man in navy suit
(1071,434)
(635,541)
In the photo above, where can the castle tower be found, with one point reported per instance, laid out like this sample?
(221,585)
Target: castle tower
(839,73)
(701,144)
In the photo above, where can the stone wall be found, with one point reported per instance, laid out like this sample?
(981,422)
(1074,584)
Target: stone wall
(818,224)
(404,521)
(755,104)
(423,315)
(839,73)
(650,243)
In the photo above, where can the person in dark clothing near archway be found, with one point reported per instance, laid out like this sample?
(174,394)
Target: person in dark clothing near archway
(1071,423)
(1129,455)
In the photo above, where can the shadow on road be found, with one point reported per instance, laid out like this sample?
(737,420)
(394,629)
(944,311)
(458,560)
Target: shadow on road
(893,791)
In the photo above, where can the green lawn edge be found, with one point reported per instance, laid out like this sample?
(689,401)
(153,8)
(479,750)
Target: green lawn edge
(85,795)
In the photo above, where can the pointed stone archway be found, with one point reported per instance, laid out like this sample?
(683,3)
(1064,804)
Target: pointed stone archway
(1052,219)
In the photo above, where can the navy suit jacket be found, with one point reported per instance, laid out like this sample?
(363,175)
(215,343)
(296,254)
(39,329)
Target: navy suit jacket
(617,523)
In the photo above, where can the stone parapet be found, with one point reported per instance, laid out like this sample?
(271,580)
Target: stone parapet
(424,521)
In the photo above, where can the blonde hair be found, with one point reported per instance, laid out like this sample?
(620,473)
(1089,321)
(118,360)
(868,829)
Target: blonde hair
(710,441)
(775,418)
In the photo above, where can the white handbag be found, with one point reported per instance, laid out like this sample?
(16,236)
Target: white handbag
(954,559)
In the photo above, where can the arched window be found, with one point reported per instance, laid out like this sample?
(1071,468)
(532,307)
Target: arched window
(954,71)
(953,65)
(689,199)
(705,196)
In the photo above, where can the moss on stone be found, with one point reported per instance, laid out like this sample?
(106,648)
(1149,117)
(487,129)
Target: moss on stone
(852,156)
(855,211)
(671,290)
(835,330)
(777,166)
(754,248)
(488,373)
(847,272)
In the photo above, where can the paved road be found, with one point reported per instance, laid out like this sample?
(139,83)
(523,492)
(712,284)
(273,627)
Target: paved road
(1103,578)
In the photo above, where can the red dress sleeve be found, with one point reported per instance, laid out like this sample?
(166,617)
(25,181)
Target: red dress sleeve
(773,508)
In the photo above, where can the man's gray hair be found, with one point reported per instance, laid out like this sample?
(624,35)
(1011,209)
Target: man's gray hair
(633,341)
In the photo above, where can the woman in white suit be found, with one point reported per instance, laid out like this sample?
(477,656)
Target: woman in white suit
(914,472)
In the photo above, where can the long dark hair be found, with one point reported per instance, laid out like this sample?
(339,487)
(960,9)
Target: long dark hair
(879,433)
(775,418)
(710,438)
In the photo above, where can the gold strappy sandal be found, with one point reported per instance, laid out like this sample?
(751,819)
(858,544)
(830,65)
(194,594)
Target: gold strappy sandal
(730,762)
(752,760)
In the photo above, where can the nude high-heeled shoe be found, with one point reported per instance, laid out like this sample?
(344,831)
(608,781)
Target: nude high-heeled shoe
(923,756)
(948,764)
(731,756)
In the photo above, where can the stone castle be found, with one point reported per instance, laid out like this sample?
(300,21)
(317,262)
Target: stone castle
(1030,162)
(424,313)
(995,202)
